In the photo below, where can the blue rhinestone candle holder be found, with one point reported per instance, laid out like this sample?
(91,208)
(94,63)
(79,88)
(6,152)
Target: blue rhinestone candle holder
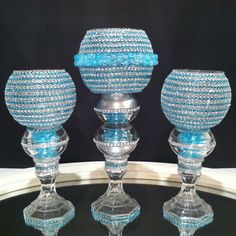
(194,101)
(116,62)
(42,100)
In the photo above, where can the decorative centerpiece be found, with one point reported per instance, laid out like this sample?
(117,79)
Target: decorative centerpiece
(194,101)
(42,100)
(116,62)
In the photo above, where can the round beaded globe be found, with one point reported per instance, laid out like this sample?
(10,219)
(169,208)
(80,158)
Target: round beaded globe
(195,99)
(40,99)
(116,60)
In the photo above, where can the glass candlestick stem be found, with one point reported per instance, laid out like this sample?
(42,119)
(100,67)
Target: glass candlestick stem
(49,210)
(116,142)
(187,208)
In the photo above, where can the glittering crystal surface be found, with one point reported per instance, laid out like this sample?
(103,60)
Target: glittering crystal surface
(116,60)
(195,100)
(115,40)
(40,99)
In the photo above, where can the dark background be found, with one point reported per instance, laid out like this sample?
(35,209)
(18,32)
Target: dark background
(186,34)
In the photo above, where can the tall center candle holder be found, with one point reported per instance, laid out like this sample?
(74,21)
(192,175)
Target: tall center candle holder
(42,100)
(194,101)
(116,62)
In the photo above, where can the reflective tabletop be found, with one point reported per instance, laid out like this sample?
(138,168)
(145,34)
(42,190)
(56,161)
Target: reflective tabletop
(150,222)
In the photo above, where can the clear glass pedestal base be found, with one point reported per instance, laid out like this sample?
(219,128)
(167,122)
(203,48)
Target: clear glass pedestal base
(115,210)
(49,213)
(116,139)
(188,211)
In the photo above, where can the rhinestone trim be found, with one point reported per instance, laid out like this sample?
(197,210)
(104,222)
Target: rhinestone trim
(127,110)
(114,219)
(188,222)
(49,224)
(116,144)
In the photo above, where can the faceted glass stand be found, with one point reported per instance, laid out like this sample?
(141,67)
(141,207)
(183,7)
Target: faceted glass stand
(188,218)
(116,139)
(49,212)
(187,210)
(115,209)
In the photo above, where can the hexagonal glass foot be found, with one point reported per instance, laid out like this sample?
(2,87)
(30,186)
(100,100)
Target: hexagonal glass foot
(115,210)
(48,213)
(188,210)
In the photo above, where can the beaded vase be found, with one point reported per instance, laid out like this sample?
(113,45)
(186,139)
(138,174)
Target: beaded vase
(42,100)
(116,62)
(194,101)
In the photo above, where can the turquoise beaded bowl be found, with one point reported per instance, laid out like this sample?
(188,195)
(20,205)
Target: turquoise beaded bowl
(195,99)
(40,99)
(116,60)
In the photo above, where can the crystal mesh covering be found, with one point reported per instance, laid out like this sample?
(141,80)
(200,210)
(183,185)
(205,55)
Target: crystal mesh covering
(195,100)
(40,99)
(116,60)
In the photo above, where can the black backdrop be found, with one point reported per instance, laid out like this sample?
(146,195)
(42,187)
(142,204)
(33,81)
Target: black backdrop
(185,34)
